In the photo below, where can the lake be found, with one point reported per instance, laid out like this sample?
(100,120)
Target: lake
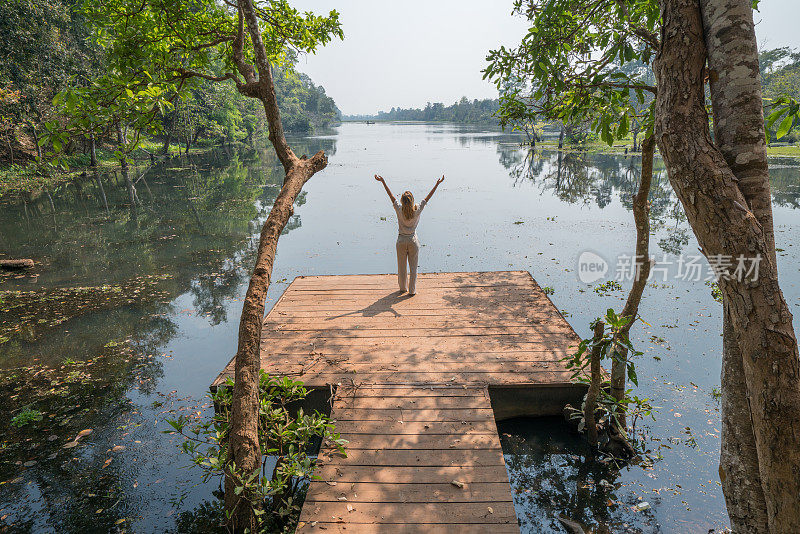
(172,281)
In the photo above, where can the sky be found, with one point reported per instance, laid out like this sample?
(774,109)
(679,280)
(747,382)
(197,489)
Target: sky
(406,53)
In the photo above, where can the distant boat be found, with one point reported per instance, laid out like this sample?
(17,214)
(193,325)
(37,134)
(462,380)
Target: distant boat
(370,122)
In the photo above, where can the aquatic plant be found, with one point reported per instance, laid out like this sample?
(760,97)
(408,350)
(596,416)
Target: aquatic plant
(601,409)
(26,416)
(287,436)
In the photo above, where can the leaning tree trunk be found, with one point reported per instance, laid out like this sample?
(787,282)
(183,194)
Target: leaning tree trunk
(735,83)
(641,216)
(725,227)
(243,441)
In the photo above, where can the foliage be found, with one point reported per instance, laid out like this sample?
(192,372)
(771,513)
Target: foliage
(788,108)
(45,48)
(464,111)
(716,292)
(611,344)
(780,79)
(25,416)
(157,51)
(286,437)
(580,62)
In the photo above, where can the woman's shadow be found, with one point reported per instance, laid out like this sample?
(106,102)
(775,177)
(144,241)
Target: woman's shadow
(382,305)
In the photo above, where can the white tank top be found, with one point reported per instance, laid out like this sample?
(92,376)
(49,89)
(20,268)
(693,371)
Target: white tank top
(408,227)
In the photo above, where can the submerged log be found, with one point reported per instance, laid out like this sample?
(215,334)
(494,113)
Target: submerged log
(16,265)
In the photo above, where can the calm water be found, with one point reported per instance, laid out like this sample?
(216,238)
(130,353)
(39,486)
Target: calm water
(501,207)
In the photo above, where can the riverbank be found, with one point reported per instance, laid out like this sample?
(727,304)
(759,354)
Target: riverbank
(30,178)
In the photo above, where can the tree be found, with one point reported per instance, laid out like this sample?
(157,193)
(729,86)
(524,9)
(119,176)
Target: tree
(158,47)
(45,47)
(586,62)
(724,187)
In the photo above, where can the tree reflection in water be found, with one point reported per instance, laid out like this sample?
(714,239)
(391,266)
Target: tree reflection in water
(195,235)
(552,475)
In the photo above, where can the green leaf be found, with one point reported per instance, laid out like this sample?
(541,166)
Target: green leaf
(785,126)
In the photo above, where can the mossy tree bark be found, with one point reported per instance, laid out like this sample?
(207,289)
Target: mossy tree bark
(729,225)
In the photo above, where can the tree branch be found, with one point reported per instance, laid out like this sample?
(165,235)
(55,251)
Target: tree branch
(266,86)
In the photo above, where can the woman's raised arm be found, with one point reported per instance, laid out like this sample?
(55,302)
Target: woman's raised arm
(440,180)
(388,191)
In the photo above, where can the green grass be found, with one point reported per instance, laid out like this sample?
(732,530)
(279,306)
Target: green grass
(785,151)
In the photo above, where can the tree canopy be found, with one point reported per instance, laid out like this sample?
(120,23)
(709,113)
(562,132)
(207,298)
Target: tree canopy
(580,62)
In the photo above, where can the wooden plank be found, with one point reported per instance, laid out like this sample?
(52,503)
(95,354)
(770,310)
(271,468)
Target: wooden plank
(418,474)
(466,342)
(462,278)
(444,513)
(411,377)
(409,403)
(475,297)
(500,332)
(394,463)
(325,312)
(381,390)
(359,361)
(541,379)
(419,442)
(294,324)
(445,457)
(411,492)
(414,414)
(288,324)
(392,428)
(406,528)
(358,354)
(339,367)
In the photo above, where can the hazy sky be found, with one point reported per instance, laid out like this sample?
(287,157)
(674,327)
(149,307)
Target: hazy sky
(406,53)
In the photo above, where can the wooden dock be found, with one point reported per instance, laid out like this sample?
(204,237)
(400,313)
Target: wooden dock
(418,384)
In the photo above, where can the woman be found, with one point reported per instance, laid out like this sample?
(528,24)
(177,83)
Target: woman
(407,243)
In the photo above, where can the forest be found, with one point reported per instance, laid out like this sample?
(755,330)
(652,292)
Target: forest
(54,46)
(464,111)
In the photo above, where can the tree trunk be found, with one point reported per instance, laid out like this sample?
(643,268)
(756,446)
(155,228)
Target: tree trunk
(244,446)
(738,458)
(16,265)
(167,140)
(590,405)
(36,141)
(561,137)
(123,163)
(92,152)
(735,83)
(641,216)
(725,227)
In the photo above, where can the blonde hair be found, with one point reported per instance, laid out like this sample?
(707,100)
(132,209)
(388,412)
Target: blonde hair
(407,204)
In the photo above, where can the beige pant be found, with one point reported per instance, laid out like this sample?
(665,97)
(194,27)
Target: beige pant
(407,253)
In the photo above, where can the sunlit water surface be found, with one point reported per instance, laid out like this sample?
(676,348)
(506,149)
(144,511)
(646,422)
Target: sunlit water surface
(501,207)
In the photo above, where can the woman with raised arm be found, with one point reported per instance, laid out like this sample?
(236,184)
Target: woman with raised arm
(407,243)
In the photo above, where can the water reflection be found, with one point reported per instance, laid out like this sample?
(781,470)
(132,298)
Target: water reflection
(581,177)
(552,477)
(192,242)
